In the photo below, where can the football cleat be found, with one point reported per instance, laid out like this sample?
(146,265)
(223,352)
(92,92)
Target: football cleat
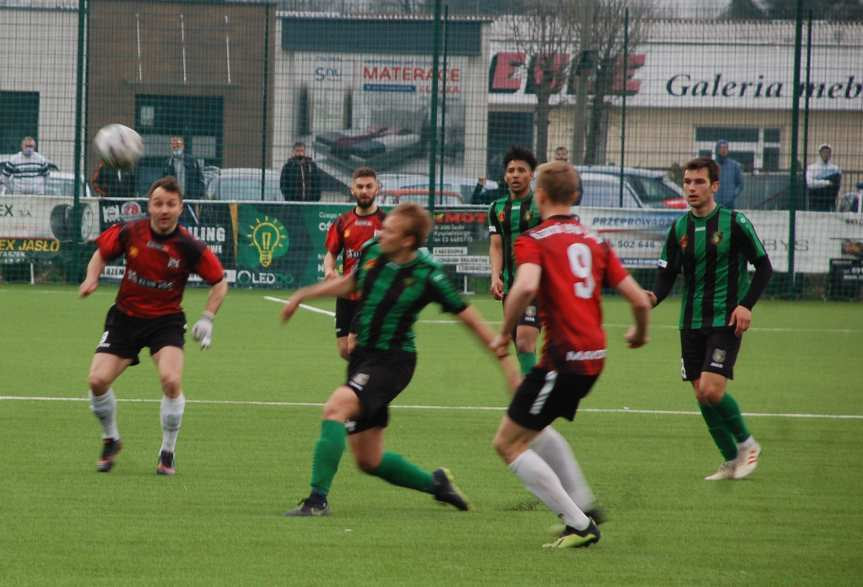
(747,460)
(572,538)
(313,505)
(445,490)
(165,466)
(597,514)
(110,448)
(725,471)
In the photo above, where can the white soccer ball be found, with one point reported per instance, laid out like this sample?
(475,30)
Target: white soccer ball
(118,145)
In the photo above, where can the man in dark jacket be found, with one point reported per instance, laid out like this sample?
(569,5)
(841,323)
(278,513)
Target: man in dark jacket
(113,182)
(186,169)
(300,180)
(730,176)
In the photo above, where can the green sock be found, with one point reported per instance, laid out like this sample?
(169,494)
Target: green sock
(732,418)
(526,361)
(396,469)
(328,452)
(722,437)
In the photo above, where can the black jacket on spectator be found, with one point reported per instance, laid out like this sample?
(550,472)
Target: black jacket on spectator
(194,188)
(110,182)
(300,180)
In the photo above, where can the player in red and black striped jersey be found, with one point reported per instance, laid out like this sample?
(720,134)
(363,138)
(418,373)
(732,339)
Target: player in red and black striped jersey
(160,255)
(565,266)
(346,236)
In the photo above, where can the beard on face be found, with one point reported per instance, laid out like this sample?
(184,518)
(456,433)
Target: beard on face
(365,202)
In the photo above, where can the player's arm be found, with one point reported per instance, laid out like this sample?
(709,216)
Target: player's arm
(524,290)
(94,270)
(753,250)
(495,258)
(471,318)
(330,271)
(668,267)
(340,286)
(640,303)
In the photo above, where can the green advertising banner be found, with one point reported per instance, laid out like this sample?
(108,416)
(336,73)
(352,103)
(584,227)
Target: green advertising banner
(281,245)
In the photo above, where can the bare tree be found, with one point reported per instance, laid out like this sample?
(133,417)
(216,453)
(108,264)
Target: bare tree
(607,55)
(545,32)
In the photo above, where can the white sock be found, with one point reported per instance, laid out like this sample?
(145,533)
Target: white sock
(105,408)
(538,477)
(553,448)
(171,413)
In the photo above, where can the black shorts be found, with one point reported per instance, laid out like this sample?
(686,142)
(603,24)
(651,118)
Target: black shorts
(346,311)
(530,317)
(377,377)
(710,349)
(126,335)
(544,396)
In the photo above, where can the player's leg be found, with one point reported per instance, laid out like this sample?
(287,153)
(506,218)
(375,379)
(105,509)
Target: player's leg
(345,311)
(169,362)
(722,347)
(538,401)
(104,370)
(553,448)
(342,405)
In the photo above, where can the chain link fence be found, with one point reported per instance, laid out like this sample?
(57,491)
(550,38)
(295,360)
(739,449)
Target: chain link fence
(264,109)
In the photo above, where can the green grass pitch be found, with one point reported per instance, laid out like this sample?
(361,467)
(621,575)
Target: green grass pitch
(244,455)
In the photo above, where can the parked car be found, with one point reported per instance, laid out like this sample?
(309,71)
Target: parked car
(413,187)
(603,191)
(651,189)
(242,184)
(60,183)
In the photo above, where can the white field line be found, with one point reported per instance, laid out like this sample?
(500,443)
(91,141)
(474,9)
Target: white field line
(666,326)
(277,404)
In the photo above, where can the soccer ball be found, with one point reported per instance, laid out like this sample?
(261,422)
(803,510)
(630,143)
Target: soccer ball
(118,145)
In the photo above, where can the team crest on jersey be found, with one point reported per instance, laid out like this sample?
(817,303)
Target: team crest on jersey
(173,263)
(684,241)
(716,238)
(347,233)
(501,216)
(409,281)
(370,264)
(133,251)
(528,215)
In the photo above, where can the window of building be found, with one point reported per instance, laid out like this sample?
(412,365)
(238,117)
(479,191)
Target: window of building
(19,118)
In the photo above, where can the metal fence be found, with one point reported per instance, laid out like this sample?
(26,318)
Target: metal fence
(281,101)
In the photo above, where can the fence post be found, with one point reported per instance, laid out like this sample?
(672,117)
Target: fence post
(434,99)
(794,183)
(623,106)
(77,243)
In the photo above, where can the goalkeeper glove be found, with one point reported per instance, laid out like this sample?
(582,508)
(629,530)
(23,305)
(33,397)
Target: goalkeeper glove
(202,331)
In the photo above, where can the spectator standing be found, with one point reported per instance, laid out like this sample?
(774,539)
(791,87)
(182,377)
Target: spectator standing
(300,180)
(730,176)
(26,171)
(113,182)
(186,169)
(822,180)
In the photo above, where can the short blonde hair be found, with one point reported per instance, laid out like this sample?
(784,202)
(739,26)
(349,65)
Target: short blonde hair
(419,221)
(560,181)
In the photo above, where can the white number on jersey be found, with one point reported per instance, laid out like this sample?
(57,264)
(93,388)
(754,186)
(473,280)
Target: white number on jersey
(580,263)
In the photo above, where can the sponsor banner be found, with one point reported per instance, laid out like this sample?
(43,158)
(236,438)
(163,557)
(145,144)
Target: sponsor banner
(460,240)
(638,235)
(210,222)
(38,226)
(689,75)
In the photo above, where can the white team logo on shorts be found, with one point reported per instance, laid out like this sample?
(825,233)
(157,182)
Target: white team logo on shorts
(359,381)
(103,342)
(718,358)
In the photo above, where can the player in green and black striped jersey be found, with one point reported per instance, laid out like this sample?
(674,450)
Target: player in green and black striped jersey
(397,280)
(712,246)
(508,218)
